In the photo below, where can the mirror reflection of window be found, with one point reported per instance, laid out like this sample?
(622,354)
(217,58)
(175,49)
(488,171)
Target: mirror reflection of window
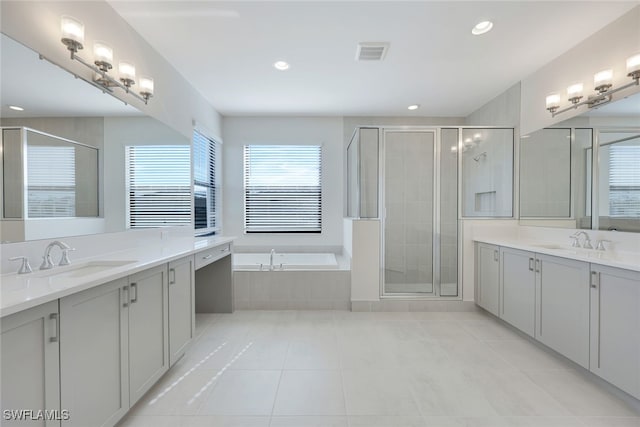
(51,181)
(619,181)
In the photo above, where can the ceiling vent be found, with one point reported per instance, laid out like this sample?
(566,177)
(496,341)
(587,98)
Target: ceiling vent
(371,51)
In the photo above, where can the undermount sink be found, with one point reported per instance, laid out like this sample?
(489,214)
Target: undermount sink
(550,246)
(82,269)
(556,247)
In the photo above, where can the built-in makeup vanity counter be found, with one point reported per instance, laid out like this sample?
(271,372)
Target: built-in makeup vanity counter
(582,303)
(88,340)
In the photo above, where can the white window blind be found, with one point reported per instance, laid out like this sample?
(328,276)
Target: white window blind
(283,188)
(206,185)
(158,185)
(624,181)
(51,181)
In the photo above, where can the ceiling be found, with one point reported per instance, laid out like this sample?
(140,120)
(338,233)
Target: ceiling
(226,50)
(45,90)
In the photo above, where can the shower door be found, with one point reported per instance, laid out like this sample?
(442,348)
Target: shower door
(408,198)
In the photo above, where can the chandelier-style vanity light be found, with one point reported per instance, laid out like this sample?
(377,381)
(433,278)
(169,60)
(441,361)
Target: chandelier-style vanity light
(603,85)
(73,38)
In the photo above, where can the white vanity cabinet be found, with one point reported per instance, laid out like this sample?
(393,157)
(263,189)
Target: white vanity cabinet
(488,277)
(114,345)
(615,327)
(562,306)
(94,355)
(518,288)
(181,306)
(148,330)
(29,363)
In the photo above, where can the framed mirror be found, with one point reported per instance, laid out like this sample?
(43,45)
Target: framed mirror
(55,103)
(582,173)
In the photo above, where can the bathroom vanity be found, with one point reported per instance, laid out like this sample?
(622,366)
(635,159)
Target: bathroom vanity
(87,341)
(582,303)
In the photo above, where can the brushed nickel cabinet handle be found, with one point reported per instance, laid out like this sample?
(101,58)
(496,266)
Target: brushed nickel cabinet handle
(55,318)
(126,300)
(134,287)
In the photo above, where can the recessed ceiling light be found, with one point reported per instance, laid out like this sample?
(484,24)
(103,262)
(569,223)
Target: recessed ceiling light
(281,65)
(16,108)
(413,107)
(482,27)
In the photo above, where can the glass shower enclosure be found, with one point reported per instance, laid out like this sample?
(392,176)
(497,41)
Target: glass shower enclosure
(407,178)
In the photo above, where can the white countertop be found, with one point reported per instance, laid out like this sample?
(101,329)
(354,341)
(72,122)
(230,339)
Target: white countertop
(22,291)
(619,259)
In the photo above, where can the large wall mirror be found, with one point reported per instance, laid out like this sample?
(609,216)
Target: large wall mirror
(583,173)
(68,112)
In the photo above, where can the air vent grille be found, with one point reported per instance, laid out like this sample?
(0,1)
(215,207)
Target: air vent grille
(371,51)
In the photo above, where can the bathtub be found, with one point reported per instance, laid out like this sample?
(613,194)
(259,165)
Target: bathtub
(299,281)
(285,261)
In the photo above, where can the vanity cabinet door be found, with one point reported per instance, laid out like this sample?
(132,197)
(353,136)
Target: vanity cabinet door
(563,306)
(615,327)
(94,355)
(181,306)
(518,289)
(148,330)
(487,277)
(29,363)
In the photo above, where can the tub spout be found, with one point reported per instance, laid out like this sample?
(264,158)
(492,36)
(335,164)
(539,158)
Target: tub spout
(271,267)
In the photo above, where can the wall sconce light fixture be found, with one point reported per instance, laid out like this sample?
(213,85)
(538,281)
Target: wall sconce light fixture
(73,38)
(602,83)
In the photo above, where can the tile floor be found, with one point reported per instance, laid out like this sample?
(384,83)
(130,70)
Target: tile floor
(338,368)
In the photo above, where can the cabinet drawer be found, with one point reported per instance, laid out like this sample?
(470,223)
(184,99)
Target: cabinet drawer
(208,256)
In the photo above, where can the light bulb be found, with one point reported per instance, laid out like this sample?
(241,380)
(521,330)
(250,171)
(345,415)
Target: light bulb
(603,80)
(553,102)
(575,92)
(482,28)
(633,66)
(146,87)
(127,73)
(72,33)
(103,56)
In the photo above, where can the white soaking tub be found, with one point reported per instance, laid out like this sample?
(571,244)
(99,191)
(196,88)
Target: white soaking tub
(284,261)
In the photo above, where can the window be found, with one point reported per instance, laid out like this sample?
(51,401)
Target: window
(158,185)
(624,181)
(206,184)
(51,181)
(283,188)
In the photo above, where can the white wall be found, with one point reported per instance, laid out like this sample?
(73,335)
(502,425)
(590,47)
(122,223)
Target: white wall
(240,131)
(36,24)
(608,48)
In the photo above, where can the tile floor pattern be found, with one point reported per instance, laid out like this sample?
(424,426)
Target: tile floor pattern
(338,368)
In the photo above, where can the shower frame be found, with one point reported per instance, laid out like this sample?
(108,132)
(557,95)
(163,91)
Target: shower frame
(436,225)
(436,242)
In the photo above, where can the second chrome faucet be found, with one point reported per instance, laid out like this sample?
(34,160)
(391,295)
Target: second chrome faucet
(47,263)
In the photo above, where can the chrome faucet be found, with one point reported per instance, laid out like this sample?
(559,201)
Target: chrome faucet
(587,240)
(273,252)
(47,264)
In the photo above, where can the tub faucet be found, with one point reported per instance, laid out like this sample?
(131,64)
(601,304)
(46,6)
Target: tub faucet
(47,264)
(273,252)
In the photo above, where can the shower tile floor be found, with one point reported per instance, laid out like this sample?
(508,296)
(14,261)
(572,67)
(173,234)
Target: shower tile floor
(338,368)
